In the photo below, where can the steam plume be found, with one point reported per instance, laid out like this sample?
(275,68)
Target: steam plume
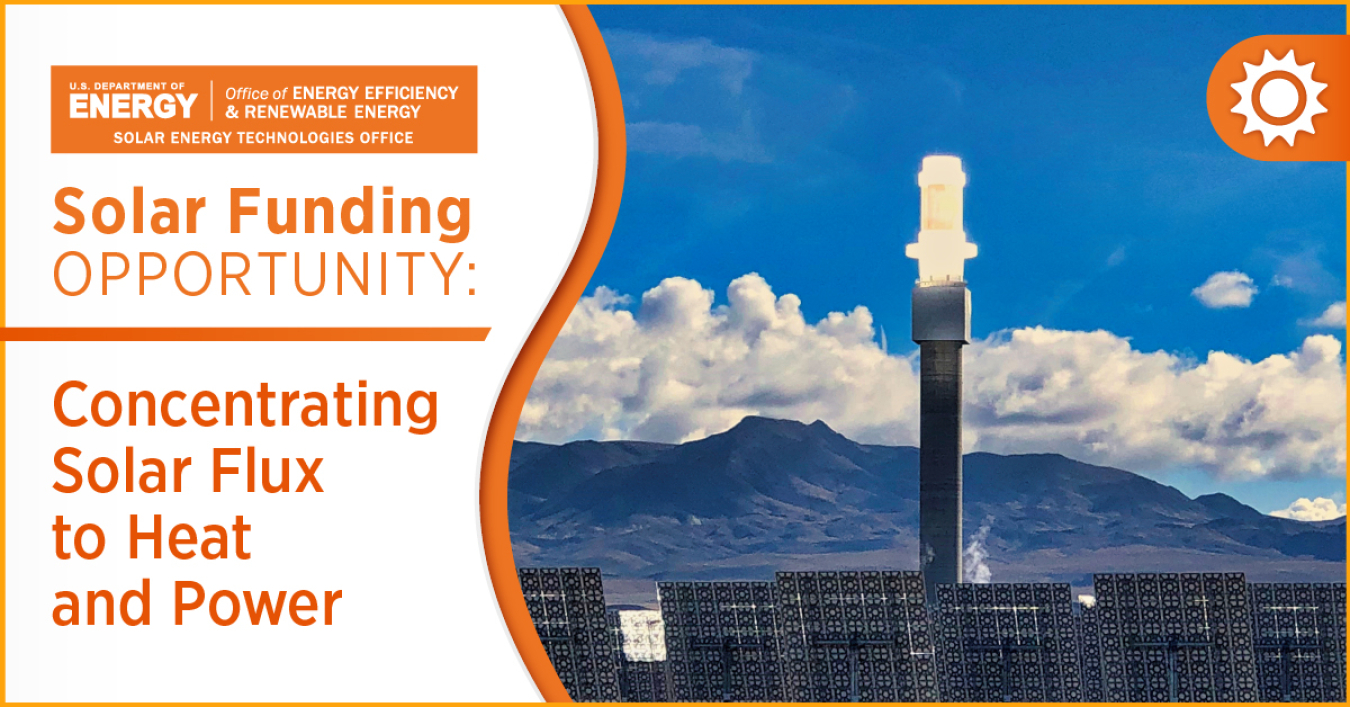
(976,569)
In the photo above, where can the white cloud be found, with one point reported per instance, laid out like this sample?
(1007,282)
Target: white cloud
(690,97)
(693,66)
(1093,396)
(666,59)
(1316,509)
(683,140)
(1116,258)
(680,368)
(1332,318)
(1226,289)
(1302,271)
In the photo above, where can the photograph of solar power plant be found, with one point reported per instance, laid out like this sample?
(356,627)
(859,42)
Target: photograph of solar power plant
(944,354)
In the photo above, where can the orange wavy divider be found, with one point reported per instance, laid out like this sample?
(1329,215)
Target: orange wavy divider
(502,429)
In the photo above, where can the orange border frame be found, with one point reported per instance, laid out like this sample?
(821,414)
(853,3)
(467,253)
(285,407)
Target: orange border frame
(501,433)
(604,211)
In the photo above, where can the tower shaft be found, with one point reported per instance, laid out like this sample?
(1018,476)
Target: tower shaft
(941,321)
(940,463)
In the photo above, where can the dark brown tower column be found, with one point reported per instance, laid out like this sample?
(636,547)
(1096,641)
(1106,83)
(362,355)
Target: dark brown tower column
(940,462)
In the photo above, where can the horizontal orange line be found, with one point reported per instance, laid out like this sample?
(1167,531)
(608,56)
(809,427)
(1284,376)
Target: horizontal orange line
(695,2)
(244,333)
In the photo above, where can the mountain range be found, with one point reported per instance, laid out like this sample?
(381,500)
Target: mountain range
(772,495)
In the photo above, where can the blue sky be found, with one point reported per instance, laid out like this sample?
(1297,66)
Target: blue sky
(785,141)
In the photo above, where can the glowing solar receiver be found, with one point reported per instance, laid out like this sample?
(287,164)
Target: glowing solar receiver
(942,250)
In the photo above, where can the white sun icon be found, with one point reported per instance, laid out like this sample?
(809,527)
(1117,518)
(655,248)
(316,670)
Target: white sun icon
(1279,98)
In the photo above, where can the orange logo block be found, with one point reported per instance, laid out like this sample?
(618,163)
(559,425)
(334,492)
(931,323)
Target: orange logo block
(1284,97)
(258,109)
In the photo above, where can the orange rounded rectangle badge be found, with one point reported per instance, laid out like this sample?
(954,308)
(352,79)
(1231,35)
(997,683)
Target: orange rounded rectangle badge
(1284,97)
(264,109)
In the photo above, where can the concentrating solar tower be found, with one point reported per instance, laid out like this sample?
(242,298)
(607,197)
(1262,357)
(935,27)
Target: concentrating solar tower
(941,326)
